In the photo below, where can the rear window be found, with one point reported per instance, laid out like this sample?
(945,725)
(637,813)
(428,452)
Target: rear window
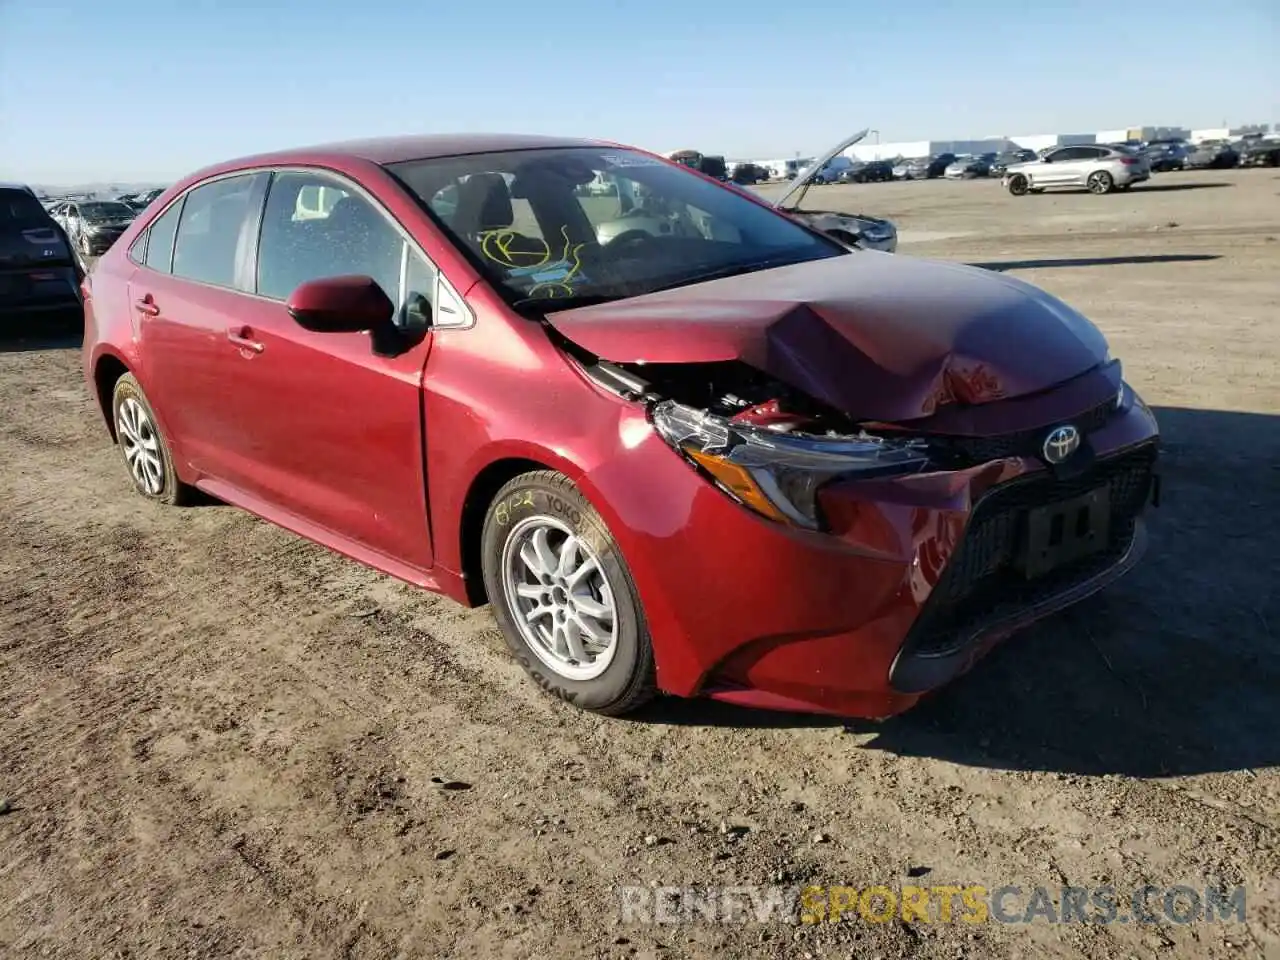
(19,210)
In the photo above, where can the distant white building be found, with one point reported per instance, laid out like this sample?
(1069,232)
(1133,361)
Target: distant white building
(1142,133)
(1038,141)
(926,148)
(1227,133)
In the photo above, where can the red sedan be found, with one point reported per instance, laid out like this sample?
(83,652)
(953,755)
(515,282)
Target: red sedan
(679,441)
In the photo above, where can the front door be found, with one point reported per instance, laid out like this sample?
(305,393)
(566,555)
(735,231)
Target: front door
(1066,166)
(331,432)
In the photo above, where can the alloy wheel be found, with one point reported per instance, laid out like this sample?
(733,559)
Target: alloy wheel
(141,446)
(559,598)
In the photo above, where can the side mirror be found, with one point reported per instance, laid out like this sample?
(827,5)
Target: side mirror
(341,305)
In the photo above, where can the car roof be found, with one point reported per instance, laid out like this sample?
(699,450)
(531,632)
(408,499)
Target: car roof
(7,185)
(385,150)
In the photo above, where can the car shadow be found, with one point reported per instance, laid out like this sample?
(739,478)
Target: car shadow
(1149,187)
(1002,265)
(67,340)
(1172,671)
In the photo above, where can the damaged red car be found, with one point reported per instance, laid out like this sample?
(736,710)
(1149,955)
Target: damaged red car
(678,441)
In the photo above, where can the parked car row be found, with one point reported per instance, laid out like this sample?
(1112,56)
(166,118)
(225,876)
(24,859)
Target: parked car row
(93,225)
(1176,154)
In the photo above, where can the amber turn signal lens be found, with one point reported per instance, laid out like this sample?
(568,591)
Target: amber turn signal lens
(738,481)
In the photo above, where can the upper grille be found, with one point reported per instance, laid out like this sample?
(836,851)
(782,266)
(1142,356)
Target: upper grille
(982,574)
(1024,443)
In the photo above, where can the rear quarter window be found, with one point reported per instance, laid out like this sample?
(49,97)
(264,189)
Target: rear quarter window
(158,240)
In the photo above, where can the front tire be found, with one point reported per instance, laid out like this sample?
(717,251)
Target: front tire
(146,455)
(563,596)
(1019,185)
(1100,182)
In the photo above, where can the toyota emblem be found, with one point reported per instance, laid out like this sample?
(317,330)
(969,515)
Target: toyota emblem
(1061,443)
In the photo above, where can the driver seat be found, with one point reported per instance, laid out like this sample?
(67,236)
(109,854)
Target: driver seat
(484,208)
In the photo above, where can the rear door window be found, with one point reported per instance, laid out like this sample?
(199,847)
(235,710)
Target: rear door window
(210,229)
(1072,153)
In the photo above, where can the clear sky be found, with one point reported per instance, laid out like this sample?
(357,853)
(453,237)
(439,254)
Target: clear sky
(152,89)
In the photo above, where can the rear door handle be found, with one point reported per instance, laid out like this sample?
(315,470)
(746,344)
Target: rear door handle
(147,306)
(242,337)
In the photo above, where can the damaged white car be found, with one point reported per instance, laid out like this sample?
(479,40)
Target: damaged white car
(852,229)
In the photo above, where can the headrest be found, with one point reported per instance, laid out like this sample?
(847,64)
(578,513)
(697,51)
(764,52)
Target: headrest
(484,203)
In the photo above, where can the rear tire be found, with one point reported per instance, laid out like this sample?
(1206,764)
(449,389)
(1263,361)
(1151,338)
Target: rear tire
(1019,185)
(563,596)
(1100,182)
(146,454)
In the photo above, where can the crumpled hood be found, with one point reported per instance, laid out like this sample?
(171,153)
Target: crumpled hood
(876,336)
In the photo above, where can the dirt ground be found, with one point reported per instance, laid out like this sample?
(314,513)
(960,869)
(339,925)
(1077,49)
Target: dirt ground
(218,740)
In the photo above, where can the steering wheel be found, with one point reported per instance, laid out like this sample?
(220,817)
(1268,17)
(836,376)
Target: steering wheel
(628,237)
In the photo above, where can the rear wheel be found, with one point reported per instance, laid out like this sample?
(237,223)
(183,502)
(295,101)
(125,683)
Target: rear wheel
(146,455)
(1100,182)
(1019,185)
(563,596)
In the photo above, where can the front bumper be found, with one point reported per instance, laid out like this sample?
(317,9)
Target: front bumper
(916,580)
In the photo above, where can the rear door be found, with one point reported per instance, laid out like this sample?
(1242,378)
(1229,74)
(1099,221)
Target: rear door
(330,432)
(184,299)
(1089,157)
(1077,166)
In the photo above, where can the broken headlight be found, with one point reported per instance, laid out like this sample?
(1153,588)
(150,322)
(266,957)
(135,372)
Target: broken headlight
(777,473)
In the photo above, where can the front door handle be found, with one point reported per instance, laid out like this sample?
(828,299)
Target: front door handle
(242,337)
(147,306)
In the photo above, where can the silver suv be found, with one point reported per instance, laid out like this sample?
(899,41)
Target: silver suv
(1097,167)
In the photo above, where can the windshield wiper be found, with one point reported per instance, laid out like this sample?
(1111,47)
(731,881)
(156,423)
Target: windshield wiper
(730,270)
(553,304)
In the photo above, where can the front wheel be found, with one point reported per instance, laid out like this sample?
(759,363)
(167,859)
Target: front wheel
(1100,182)
(1019,185)
(563,596)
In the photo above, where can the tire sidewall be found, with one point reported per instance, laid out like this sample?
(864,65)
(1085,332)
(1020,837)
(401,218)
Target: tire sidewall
(540,495)
(1019,185)
(128,388)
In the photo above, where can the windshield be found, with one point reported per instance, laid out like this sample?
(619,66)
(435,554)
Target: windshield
(106,210)
(20,209)
(556,228)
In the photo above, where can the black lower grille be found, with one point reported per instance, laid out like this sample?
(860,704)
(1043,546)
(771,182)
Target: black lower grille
(1024,443)
(983,576)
